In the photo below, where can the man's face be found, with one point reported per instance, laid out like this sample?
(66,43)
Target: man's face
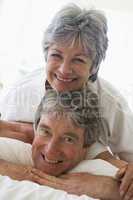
(58,145)
(68,67)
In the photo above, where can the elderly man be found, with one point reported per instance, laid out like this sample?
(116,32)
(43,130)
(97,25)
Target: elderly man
(63,137)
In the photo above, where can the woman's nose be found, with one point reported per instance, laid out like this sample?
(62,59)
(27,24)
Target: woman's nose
(65,68)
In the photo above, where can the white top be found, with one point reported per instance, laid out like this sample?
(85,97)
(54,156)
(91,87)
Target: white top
(20,101)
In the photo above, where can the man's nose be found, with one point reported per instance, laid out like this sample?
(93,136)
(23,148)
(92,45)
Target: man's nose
(52,150)
(65,68)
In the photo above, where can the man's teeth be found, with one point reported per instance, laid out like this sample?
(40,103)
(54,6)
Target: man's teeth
(51,161)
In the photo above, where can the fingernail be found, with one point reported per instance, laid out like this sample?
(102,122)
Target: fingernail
(121,193)
(126,197)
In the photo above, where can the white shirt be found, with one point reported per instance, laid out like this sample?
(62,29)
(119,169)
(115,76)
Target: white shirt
(20,102)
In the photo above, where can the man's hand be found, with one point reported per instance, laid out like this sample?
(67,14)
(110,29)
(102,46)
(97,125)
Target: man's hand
(17,172)
(125,175)
(23,172)
(100,187)
(17,130)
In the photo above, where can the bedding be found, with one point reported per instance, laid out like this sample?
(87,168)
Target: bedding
(20,152)
(26,190)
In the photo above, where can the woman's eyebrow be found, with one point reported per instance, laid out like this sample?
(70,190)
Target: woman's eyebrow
(81,54)
(56,50)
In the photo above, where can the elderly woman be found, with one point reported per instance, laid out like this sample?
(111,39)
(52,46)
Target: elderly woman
(74,45)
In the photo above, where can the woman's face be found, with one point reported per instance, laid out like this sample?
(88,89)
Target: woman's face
(68,67)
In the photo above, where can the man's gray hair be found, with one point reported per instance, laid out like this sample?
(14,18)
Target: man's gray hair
(79,106)
(87,27)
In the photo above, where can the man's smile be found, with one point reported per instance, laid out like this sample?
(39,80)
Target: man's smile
(51,161)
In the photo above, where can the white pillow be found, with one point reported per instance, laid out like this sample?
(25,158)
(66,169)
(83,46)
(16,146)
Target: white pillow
(26,190)
(16,151)
(19,152)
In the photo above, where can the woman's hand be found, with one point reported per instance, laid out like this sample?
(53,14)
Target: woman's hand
(17,130)
(125,175)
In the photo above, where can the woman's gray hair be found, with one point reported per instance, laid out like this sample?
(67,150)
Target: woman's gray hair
(87,27)
(80,106)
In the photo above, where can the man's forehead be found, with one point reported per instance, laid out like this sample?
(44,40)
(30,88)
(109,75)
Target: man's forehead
(56,116)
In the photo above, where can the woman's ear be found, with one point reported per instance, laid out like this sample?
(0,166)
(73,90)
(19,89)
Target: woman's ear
(93,74)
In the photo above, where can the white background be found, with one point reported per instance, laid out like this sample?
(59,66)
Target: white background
(22,23)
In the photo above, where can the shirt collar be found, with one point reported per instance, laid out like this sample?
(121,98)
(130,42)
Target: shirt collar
(47,85)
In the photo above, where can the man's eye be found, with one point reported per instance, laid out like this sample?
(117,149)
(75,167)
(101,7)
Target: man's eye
(44,132)
(70,140)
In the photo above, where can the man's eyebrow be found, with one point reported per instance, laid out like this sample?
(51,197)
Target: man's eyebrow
(71,134)
(42,125)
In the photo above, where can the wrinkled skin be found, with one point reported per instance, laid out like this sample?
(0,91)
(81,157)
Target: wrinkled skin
(100,187)
(125,175)
(17,130)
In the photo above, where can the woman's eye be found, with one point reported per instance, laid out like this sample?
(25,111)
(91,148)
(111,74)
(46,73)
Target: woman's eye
(79,60)
(55,55)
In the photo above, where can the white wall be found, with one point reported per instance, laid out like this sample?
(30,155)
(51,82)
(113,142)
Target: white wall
(115,5)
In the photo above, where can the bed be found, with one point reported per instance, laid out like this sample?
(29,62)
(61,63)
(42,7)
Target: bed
(23,190)
(16,190)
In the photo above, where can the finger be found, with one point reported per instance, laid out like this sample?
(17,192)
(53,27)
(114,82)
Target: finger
(46,182)
(65,176)
(41,181)
(72,175)
(129,193)
(41,174)
(120,173)
(69,176)
(76,174)
(46,176)
(126,181)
